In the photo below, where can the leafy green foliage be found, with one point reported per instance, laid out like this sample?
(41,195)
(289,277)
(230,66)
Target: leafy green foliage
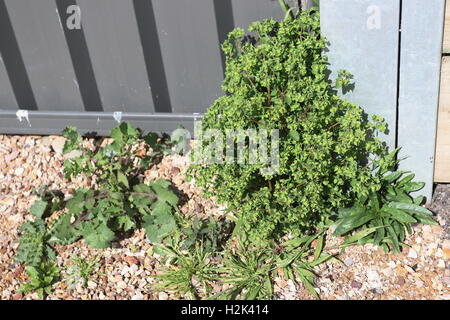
(249,272)
(33,246)
(390,211)
(41,278)
(80,271)
(277,78)
(211,233)
(122,201)
(119,204)
(189,273)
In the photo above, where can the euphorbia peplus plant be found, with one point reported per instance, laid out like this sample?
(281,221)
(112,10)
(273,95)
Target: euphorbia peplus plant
(278,78)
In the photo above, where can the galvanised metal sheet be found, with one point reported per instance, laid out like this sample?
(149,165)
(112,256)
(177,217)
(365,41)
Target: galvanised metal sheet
(421,47)
(363,39)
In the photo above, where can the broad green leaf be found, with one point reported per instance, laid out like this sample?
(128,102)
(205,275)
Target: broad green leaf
(165,194)
(426,220)
(393,176)
(412,208)
(413,186)
(98,237)
(399,215)
(38,208)
(351,223)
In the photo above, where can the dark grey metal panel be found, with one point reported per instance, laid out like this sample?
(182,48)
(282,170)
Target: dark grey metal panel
(248,11)
(7,99)
(116,52)
(190,48)
(44,50)
(422,30)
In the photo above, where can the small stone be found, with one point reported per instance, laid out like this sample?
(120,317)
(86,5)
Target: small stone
(446,249)
(377,291)
(401,281)
(372,275)
(17,296)
(348,261)
(409,269)
(92,285)
(72,154)
(46,141)
(175,170)
(122,285)
(446,281)
(19,171)
(58,144)
(138,296)
(441,264)
(163,296)
(11,156)
(355,284)
(412,253)
(131,260)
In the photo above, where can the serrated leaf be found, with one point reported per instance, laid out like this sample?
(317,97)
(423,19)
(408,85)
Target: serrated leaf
(97,236)
(38,208)
(163,193)
(62,232)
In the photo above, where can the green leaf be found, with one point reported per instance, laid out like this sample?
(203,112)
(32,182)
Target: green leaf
(394,238)
(62,232)
(413,186)
(38,208)
(412,208)
(359,235)
(294,135)
(399,215)
(159,223)
(351,223)
(393,176)
(164,193)
(97,236)
(121,178)
(319,247)
(426,220)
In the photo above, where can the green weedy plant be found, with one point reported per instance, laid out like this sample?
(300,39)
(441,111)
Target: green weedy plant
(121,202)
(80,271)
(277,78)
(41,278)
(188,273)
(390,211)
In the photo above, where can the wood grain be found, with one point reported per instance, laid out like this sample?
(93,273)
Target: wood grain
(442,169)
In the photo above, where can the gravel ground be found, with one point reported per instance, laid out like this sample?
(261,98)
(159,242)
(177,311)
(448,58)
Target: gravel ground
(419,272)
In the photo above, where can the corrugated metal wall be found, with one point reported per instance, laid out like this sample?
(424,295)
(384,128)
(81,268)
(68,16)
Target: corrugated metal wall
(155,63)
